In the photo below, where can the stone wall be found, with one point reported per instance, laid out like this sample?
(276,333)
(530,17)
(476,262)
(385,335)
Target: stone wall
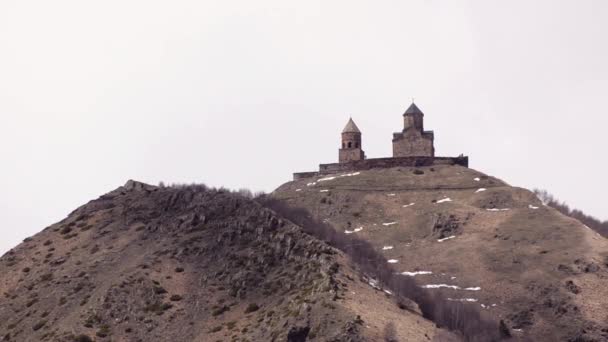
(412,143)
(374,163)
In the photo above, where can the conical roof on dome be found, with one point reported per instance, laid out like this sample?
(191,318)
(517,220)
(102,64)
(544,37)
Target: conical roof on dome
(413,109)
(351,127)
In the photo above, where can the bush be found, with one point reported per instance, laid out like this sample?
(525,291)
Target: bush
(103,331)
(590,221)
(38,325)
(158,307)
(159,290)
(175,298)
(220,310)
(46,277)
(253,307)
(82,338)
(215,329)
(418,172)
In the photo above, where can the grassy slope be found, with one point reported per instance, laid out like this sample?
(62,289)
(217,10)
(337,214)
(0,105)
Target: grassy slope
(522,258)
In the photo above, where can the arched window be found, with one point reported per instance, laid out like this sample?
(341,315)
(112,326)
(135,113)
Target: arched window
(350,144)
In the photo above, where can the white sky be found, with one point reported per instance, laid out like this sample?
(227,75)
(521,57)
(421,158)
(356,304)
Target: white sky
(243,93)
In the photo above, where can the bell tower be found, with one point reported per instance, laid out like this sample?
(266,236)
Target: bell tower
(352,149)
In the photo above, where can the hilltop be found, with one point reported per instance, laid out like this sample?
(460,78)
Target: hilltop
(146,263)
(475,239)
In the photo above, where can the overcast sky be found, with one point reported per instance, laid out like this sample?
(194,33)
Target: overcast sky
(243,93)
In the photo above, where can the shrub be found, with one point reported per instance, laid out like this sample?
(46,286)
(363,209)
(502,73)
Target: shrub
(38,325)
(179,269)
(159,290)
(418,172)
(158,307)
(220,310)
(590,221)
(31,302)
(215,329)
(253,307)
(103,331)
(46,277)
(82,338)
(175,298)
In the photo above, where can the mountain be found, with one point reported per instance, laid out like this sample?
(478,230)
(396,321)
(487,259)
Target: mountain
(146,263)
(441,253)
(475,239)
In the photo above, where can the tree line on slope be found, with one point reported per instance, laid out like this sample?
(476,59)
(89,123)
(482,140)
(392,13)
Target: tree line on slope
(590,221)
(463,318)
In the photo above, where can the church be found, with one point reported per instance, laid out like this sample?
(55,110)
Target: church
(413,146)
(413,141)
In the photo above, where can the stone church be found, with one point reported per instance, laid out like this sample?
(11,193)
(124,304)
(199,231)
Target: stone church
(413,141)
(413,146)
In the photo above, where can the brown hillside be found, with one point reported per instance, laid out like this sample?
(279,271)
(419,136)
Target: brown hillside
(473,238)
(143,263)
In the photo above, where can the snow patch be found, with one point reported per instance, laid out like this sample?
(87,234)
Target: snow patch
(326,179)
(386,248)
(477,288)
(324,190)
(481,190)
(477,179)
(497,209)
(358,229)
(462,299)
(393,261)
(447,199)
(532,207)
(389,223)
(298,190)
(438,286)
(390,195)
(348,231)
(350,174)
(415,273)
(447,238)
(388,292)
(374,283)
(311,184)
(408,205)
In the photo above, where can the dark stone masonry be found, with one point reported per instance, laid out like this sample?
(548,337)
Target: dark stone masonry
(411,147)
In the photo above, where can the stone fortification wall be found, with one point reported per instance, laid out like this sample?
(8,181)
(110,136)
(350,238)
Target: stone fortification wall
(383,163)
